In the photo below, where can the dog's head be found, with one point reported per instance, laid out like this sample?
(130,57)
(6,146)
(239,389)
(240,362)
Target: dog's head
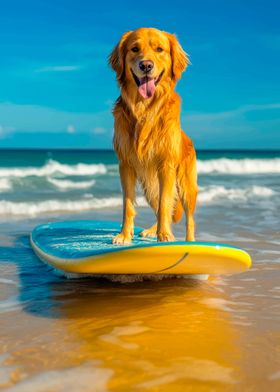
(147,59)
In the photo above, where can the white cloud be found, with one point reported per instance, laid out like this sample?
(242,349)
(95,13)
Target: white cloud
(99,130)
(233,128)
(5,130)
(58,68)
(70,128)
(244,127)
(32,118)
(230,113)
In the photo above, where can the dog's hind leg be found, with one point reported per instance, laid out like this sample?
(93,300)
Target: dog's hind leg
(150,232)
(152,198)
(189,203)
(177,215)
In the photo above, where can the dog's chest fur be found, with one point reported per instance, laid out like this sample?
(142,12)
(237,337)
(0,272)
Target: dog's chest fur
(143,137)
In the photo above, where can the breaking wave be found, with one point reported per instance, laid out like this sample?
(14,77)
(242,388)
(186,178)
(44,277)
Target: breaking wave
(53,167)
(5,185)
(49,206)
(239,166)
(67,184)
(213,166)
(207,195)
(215,193)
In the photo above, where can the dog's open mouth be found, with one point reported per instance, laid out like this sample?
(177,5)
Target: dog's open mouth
(147,85)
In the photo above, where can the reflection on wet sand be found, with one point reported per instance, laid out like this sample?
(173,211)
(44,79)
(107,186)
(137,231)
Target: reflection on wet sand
(138,336)
(172,335)
(157,334)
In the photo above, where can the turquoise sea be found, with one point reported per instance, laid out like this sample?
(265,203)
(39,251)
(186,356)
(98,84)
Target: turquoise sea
(62,333)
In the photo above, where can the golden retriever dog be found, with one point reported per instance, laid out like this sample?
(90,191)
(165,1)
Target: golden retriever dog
(148,140)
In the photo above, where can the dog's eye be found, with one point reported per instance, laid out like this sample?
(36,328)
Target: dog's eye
(135,49)
(159,49)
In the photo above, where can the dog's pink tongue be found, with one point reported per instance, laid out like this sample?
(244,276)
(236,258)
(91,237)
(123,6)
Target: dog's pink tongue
(147,87)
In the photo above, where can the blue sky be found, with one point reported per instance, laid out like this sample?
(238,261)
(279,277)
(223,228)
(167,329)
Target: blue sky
(56,89)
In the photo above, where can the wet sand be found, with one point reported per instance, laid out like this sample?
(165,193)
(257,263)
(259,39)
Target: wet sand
(60,334)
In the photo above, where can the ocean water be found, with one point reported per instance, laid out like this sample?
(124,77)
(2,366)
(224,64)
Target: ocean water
(33,183)
(59,333)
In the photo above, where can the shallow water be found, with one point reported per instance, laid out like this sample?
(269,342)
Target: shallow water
(61,334)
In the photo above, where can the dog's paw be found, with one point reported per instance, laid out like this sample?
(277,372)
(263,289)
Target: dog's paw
(190,238)
(151,232)
(165,237)
(121,239)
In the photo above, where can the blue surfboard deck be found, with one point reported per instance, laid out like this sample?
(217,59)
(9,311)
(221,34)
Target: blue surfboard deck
(86,247)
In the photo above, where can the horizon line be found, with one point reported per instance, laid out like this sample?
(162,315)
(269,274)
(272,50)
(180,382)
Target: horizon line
(112,150)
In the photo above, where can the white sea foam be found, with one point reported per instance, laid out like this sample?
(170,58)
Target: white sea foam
(131,278)
(54,167)
(5,185)
(85,377)
(11,304)
(8,281)
(33,209)
(239,166)
(207,195)
(212,194)
(218,166)
(67,184)
(186,368)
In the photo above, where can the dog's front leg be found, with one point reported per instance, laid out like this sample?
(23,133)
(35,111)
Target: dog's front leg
(128,181)
(167,180)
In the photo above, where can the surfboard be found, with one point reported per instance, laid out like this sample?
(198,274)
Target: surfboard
(85,247)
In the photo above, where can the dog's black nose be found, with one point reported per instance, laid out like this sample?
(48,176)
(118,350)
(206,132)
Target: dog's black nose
(146,65)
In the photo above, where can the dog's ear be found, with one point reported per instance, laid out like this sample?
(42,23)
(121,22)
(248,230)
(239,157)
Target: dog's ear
(117,57)
(179,58)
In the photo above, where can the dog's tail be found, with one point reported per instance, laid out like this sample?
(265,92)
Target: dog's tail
(178,212)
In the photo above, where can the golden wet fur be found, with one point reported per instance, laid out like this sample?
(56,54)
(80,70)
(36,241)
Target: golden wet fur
(148,140)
